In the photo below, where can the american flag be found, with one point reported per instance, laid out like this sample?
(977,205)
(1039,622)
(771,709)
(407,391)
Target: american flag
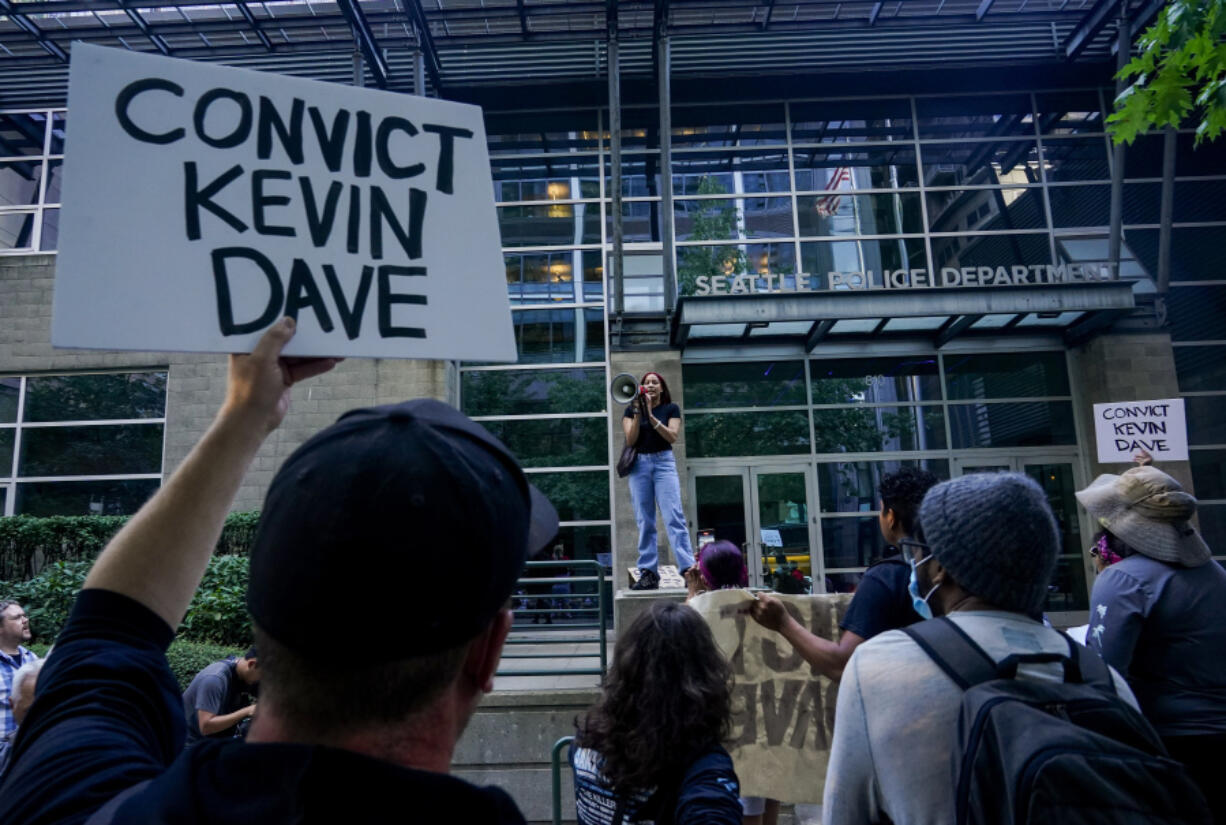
(829,205)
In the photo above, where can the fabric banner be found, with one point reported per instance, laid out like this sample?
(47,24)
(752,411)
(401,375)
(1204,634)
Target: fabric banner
(782,710)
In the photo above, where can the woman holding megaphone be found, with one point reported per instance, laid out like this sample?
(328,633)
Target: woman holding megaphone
(652,423)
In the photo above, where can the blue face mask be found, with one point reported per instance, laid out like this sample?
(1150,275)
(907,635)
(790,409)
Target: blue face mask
(920,603)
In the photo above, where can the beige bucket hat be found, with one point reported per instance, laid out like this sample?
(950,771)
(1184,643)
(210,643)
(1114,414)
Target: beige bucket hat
(1150,512)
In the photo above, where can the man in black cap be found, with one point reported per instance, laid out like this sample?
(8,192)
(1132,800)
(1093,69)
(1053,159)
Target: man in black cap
(349,519)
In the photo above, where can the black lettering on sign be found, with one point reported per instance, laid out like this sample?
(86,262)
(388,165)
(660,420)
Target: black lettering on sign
(124,99)
(446,153)
(737,614)
(351,317)
(383,153)
(195,198)
(241,130)
(778,715)
(387,299)
(261,201)
(320,224)
(303,292)
(832,701)
(290,135)
(361,147)
(221,279)
(745,713)
(355,219)
(381,212)
(809,712)
(331,141)
(772,658)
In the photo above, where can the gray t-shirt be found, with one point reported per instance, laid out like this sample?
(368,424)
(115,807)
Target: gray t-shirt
(895,725)
(1162,627)
(216,689)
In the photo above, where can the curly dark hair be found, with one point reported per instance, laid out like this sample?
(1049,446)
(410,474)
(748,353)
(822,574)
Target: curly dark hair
(667,699)
(903,492)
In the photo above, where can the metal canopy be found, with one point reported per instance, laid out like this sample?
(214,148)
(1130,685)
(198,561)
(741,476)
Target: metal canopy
(1074,310)
(474,43)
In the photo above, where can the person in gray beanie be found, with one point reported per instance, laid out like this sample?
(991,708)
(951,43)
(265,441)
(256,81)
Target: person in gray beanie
(984,555)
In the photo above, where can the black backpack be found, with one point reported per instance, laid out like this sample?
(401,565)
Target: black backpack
(1046,752)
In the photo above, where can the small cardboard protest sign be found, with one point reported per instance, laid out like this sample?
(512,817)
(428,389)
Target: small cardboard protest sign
(1125,428)
(772,538)
(202,203)
(782,710)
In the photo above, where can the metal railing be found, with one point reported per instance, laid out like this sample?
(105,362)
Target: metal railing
(555,772)
(578,600)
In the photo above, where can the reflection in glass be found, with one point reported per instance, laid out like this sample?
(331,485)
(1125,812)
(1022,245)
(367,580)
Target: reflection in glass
(783,510)
(559,224)
(1031,424)
(872,256)
(768,218)
(509,133)
(564,600)
(19,181)
(8,435)
(1209,476)
(1196,312)
(16,230)
(709,435)
(84,498)
(1212,518)
(1069,112)
(10,388)
(554,442)
(1068,586)
(582,496)
(847,214)
(59,121)
(851,487)
(981,210)
(83,451)
(550,336)
(640,176)
(851,542)
(51,230)
(527,392)
(95,397)
(842,582)
(744,384)
(1006,375)
(719,504)
(878,429)
(760,170)
(1197,368)
(824,169)
(22,134)
(996,162)
(1192,248)
(545,178)
(544,277)
(54,177)
(755,124)
(875,380)
(715,219)
(1143,159)
(1206,424)
(1077,159)
(959,251)
(851,121)
(974,116)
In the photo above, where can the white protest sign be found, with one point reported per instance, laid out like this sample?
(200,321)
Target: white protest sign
(771,538)
(201,203)
(782,710)
(1126,427)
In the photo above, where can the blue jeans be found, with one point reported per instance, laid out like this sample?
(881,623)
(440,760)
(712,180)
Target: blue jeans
(654,481)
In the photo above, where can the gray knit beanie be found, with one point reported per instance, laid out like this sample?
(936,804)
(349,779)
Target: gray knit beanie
(996,535)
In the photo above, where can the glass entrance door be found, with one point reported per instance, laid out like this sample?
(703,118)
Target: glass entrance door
(764,510)
(1068,594)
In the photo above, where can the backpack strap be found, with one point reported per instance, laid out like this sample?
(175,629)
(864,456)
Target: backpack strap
(954,652)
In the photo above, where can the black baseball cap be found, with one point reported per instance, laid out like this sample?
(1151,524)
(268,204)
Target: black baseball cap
(410,519)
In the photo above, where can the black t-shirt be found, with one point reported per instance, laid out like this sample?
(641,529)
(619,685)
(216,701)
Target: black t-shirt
(651,441)
(109,716)
(881,602)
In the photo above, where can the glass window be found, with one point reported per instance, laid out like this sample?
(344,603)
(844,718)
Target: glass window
(1076,159)
(875,380)
(22,134)
(851,542)
(10,390)
(560,224)
(95,397)
(866,256)
(518,132)
(1006,375)
(1033,424)
(83,451)
(640,176)
(54,177)
(1201,368)
(851,486)
(996,162)
(728,171)
(715,219)
(526,392)
(826,168)
(1143,159)
(768,218)
(1212,518)
(755,124)
(1209,476)
(547,277)
(51,230)
(851,121)
(1196,313)
(547,178)
(974,117)
(16,230)
(709,435)
(582,496)
(744,384)
(958,251)
(19,181)
(877,429)
(1069,113)
(982,210)
(1206,424)
(555,336)
(554,442)
(84,498)
(1194,250)
(641,221)
(844,213)
(8,436)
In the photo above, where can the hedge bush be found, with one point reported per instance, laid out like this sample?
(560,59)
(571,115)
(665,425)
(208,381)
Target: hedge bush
(216,616)
(28,544)
(188,658)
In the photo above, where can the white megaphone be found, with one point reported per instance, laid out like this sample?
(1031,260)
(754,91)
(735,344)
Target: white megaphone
(624,388)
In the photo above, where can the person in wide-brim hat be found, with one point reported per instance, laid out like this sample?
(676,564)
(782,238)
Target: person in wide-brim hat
(1157,615)
(1150,512)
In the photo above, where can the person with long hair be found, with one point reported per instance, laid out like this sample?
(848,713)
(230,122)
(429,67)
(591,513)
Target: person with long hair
(1157,615)
(651,749)
(652,423)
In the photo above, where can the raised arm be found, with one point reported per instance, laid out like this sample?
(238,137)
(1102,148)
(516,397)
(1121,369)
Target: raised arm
(828,657)
(161,553)
(630,424)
